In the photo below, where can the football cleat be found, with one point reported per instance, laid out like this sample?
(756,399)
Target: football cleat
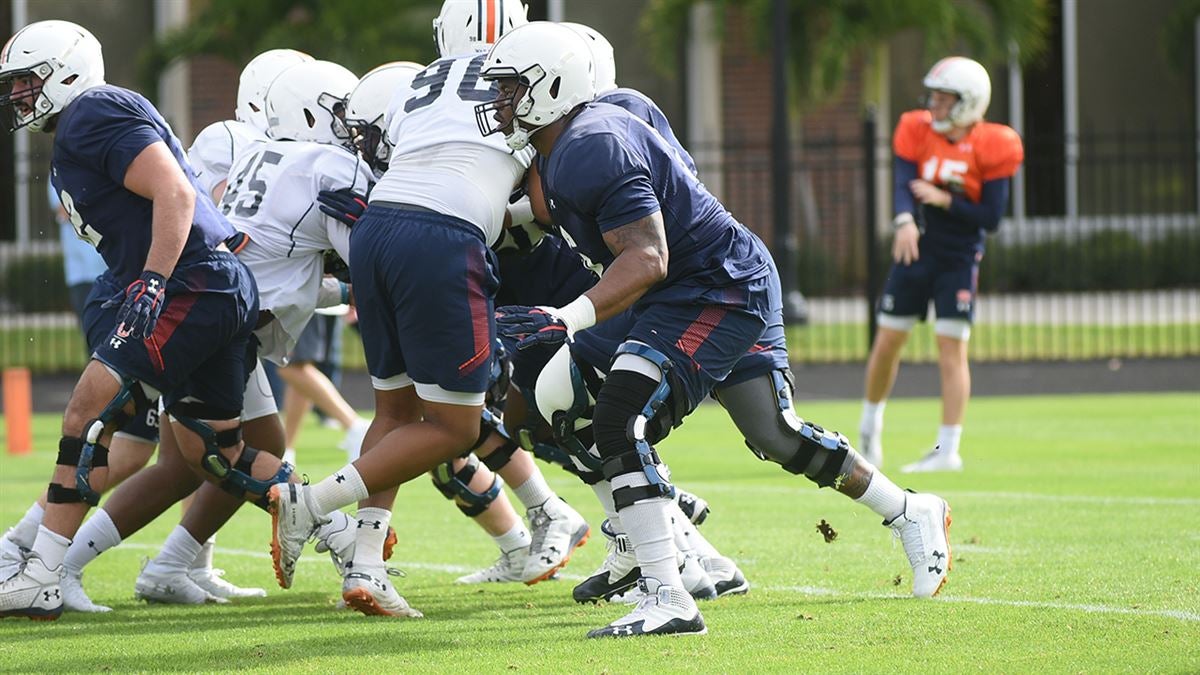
(338,540)
(210,580)
(726,576)
(369,591)
(872,448)
(509,567)
(74,597)
(695,508)
(664,610)
(935,460)
(557,530)
(924,530)
(616,575)
(696,581)
(32,592)
(170,586)
(12,556)
(293,523)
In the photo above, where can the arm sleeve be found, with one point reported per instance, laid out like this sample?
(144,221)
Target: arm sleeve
(987,213)
(606,181)
(353,174)
(903,171)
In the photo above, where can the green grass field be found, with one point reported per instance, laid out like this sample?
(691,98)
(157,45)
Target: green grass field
(61,349)
(1076,547)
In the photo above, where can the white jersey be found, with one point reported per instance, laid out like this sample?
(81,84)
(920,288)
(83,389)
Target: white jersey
(213,151)
(272,196)
(439,159)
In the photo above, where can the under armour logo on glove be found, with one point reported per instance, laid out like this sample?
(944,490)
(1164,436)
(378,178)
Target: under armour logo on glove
(530,326)
(141,303)
(344,205)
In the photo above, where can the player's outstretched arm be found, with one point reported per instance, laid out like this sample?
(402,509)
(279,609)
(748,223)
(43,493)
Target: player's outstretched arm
(155,175)
(641,261)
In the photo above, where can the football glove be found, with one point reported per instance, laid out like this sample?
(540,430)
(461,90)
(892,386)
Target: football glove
(141,303)
(344,205)
(531,326)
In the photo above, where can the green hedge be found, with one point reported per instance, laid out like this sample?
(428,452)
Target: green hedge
(35,283)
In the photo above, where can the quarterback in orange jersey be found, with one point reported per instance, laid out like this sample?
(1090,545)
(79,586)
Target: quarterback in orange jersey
(952,177)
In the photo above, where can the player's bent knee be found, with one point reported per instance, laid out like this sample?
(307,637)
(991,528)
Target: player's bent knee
(455,485)
(235,477)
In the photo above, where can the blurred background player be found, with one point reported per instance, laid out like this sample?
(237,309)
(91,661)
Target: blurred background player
(952,175)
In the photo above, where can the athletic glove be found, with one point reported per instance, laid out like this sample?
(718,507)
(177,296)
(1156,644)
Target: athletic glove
(530,326)
(141,303)
(345,205)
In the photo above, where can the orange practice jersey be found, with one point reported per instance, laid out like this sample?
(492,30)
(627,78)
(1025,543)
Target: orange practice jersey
(988,152)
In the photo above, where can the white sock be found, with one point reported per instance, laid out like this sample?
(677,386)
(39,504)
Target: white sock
(948,437)
(338,521)
(648,526)
(341,489)
(603,490)
(51,546)
(883,497)
(204,559)
(533,492)
(372,532)
(96,536)
(517,537)
(26,530)
(179,550)
(687,537)
(871,423)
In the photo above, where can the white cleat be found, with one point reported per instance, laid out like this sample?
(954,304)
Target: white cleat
(726,576)
(616,575)
(872,448)
(696,581)
(693,506)
(664,610)
(74,597)
(293,523)
(509,567)
(353,440)
(557,530)
(12,556)
(924,529)
(337,538)
(935,460)
(210,580)
(33,592)
(369,591)
(170,586)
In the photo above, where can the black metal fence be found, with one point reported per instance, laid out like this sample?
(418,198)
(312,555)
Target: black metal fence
(1119,278)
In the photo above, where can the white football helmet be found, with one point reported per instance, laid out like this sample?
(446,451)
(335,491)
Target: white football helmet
(966,79)
(473,26)
(564,401)
(307,102)
(554,68)
(256,78)
(367,105)
(67,59)
(603,58)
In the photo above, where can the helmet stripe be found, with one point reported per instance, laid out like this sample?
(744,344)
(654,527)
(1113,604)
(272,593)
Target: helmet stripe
(479,20)
(491,21)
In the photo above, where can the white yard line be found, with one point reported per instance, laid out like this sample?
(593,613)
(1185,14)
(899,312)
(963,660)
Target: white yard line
(804,490)
(800,590)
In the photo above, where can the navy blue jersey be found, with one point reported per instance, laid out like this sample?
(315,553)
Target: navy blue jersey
(643,108)
(609,169)
(98,136)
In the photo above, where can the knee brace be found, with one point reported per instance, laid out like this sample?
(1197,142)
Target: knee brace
(626,429)
(234,478)
(86,452)
(500,457)
(457,484)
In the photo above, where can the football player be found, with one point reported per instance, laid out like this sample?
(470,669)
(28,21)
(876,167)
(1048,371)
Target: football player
(951,178)
(702,293)
(128,188)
